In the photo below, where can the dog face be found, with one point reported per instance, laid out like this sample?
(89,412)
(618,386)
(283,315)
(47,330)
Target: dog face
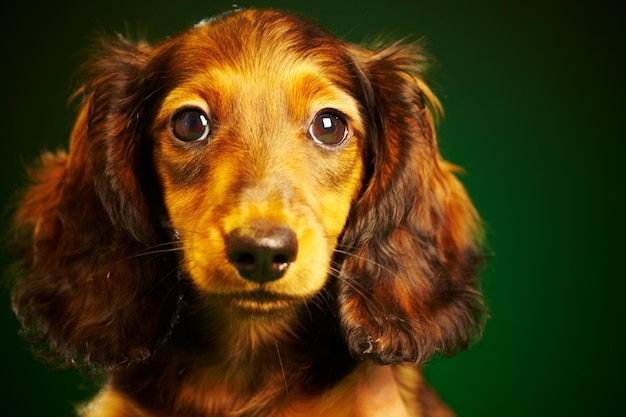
(281,164)
(259,172)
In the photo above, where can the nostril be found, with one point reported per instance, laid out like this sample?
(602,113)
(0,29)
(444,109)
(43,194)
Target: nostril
(243,260)
(280,259)
(262,254)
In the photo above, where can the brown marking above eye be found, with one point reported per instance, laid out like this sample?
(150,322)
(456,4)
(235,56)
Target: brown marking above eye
(328,128)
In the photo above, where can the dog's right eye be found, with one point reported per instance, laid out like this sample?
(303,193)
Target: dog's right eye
(191,125)
(328,128)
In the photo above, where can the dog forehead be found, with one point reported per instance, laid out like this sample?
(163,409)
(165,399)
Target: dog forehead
(259,59)
(297,92)
(263,62)
(260,39)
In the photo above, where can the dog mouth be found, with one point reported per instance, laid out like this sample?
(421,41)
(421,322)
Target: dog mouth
(260,303)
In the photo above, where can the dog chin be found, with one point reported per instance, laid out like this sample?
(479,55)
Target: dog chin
(260,305)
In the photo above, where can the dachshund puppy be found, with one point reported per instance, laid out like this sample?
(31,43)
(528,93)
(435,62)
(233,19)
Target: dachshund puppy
(253,220)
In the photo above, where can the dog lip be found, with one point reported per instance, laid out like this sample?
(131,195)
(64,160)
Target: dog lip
(261,302)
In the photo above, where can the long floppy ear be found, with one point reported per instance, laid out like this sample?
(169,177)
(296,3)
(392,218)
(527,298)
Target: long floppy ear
(96,282)
(408,285)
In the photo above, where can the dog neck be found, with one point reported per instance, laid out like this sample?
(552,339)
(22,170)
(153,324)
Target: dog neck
(217,361)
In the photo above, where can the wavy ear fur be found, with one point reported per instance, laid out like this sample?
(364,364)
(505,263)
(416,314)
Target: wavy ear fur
(87,228)
(408,286)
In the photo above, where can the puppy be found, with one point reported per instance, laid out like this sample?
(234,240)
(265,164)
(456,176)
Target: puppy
(253,219)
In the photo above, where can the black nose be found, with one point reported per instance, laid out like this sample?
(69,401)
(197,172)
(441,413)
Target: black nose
(262,254)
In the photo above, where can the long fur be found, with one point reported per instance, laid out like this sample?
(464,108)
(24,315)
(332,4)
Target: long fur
(125,238)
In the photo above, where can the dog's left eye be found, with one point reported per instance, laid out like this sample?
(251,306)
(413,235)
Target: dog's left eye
(191,125)
(328,128)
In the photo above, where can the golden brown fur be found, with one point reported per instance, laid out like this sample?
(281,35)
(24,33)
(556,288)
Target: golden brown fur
(202,248)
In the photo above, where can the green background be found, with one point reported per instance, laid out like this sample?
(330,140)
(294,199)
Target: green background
(534,98)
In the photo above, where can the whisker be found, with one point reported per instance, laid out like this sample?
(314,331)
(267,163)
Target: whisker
(354,284)
(282,369)
(154,251)
(367,260)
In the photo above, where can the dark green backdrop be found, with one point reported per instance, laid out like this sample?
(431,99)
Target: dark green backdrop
(534,99)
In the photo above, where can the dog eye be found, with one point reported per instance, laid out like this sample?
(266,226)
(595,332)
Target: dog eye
(328,128)
(191,125)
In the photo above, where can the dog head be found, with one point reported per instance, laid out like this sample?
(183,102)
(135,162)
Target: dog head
(278,161)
